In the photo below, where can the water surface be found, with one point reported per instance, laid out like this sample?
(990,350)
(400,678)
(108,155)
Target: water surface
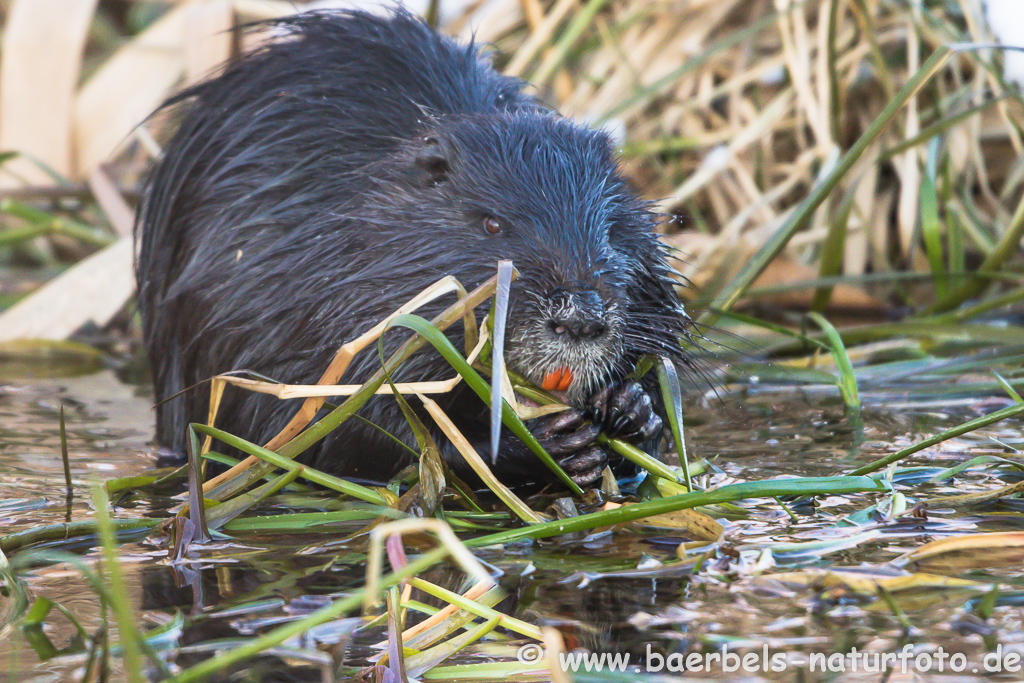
(614,592)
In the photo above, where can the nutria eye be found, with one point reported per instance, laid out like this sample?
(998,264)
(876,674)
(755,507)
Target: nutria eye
(492,225)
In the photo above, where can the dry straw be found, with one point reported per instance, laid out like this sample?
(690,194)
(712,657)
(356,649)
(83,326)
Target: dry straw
(729,112)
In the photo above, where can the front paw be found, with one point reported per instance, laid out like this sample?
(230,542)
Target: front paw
(625,411)
(569,438)
(564,433)
(585,467)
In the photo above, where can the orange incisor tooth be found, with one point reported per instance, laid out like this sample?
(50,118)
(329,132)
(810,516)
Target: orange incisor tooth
(557,380)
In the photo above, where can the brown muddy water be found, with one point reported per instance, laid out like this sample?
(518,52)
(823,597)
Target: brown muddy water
(608,592)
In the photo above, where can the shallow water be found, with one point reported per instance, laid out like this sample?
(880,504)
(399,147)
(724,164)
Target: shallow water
(608,592)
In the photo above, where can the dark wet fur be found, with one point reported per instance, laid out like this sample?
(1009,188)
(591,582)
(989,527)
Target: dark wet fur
(318,184)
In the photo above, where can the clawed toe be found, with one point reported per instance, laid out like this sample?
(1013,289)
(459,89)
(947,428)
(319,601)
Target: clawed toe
(565,444)
(625,411)
(585,468)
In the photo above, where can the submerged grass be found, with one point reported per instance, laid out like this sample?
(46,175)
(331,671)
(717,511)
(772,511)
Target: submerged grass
(810,158)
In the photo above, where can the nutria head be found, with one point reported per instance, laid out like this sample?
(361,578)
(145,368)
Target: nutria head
(594,292)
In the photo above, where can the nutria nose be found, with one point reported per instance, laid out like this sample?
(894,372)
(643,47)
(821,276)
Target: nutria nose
(578,314)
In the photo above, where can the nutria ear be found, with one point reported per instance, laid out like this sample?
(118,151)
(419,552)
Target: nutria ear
(432,158)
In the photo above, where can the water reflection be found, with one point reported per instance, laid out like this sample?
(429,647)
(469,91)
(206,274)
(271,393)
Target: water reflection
(608,592)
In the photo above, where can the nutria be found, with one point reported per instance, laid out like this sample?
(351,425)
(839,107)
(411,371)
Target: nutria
(317,184)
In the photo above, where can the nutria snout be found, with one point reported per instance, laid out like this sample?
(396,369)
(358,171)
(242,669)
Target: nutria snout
(322,181)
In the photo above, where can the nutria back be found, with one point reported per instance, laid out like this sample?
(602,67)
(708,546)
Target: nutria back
(319,183)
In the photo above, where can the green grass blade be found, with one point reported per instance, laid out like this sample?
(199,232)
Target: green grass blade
(58,532)
(222,513)
(672,397)
(1006,247)
(931,226)
(956,249)
(298,522)
(1009,298)
(196,505)
(278,460)
(832,249)
(637,456)
(477,607)
(566,42)
(1008,388)
(847,382)
(970,426)
(126,622)
(805,486)
(938,128)
(1009,335)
